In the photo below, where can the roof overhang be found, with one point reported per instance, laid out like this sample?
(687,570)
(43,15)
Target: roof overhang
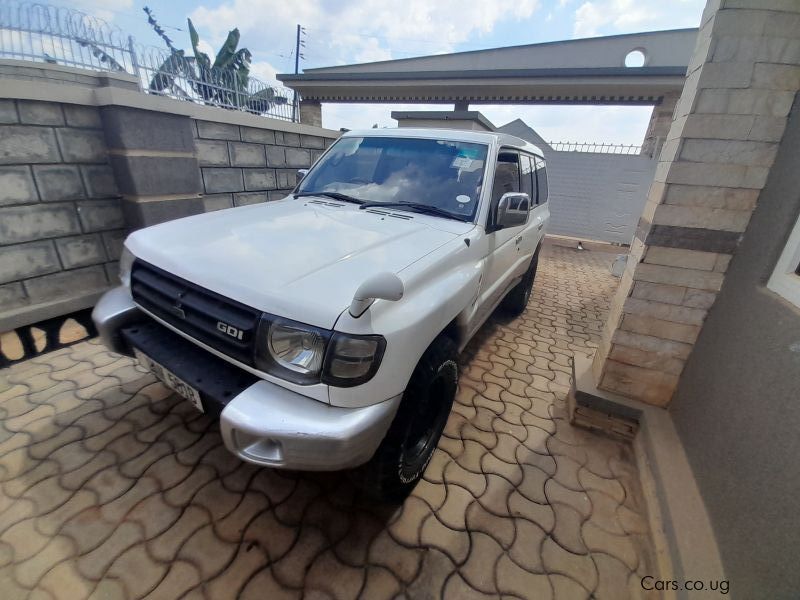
(587,71)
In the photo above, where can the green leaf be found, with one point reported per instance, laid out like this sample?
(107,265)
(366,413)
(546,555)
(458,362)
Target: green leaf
(202,58)
(228,50)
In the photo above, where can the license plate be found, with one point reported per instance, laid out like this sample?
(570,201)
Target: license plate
(169,379)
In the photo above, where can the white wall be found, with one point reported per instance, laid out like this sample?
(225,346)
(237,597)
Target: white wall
(597,196)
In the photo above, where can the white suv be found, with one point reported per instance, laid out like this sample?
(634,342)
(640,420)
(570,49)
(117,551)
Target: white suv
(324,328)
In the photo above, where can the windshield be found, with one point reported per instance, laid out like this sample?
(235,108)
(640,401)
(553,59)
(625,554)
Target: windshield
(442,174)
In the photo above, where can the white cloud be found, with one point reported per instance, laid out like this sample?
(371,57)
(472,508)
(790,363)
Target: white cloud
(102,9)
(358,30)
(602,17)
(263,70)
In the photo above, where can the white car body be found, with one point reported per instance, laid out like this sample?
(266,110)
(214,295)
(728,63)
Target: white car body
(303,259)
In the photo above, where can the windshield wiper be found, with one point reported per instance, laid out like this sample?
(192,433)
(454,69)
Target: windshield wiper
(334,195)
(424,208)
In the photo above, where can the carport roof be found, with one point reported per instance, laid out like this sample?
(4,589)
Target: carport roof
(583,71)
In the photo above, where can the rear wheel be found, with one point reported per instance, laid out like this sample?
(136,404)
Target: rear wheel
(517,299)
(400,460)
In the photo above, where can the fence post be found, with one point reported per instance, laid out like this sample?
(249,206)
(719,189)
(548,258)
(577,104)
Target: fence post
(135,63)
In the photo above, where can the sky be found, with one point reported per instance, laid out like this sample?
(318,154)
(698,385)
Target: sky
(350,31)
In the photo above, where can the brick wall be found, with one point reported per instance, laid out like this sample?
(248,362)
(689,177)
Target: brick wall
(85,158)
(61,224)
(726,129)
(245,165)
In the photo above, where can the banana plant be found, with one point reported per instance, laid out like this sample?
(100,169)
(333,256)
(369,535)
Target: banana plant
(223,82)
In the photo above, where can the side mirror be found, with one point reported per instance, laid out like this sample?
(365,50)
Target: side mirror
(512,210)
(301,173)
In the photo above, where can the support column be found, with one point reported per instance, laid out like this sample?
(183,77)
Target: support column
(727,126)
(660,121)
(311,112)
(153,158)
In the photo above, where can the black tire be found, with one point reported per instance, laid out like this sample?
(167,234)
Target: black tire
(401,459)
(517,299)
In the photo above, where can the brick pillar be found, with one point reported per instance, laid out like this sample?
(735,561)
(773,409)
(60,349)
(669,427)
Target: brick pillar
(727,126)
(311,113)
(153,157)
(660,121)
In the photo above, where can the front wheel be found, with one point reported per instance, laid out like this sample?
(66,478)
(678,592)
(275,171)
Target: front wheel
(517,299)
(400,460)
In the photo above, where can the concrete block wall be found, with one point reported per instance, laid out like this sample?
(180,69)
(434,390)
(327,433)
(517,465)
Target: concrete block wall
(245,165)
(726,129)
(85,158)
(61,223)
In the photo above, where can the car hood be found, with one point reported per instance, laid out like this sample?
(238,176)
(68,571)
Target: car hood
(300,259)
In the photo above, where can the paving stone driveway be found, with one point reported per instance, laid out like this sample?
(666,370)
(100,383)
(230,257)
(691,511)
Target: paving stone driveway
(114,488)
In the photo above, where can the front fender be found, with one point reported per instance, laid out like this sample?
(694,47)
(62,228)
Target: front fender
(439,288)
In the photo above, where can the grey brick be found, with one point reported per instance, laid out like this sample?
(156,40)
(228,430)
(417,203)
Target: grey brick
(329,141)
(315,154)
(26,144)
(259,179)
(112,272)
(276,156)
(27,260)
(8,112)
(156,176)
(223,180)
(246,155)
(16,186)
(37,221)
(58,182)
(100,182)
(296,157)
(12,296)
(113,242)
(81,251)
(144,214)
(287,139)
(99,215)
(212,153)
(260,136)
(214,202)
(312,141)
(137,129)
(277,194)
(66,284)
(217,131)
(249,198)
(287,178)
(83,116)
(34,112)
(82,145)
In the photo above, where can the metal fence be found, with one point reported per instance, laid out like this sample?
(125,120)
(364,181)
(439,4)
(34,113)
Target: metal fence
(64,36)
(625,149)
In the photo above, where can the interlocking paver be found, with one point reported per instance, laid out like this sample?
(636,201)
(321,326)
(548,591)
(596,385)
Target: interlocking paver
(112,487)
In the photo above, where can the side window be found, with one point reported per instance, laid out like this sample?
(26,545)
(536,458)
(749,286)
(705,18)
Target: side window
(528,177)
(541,179)
(506,175)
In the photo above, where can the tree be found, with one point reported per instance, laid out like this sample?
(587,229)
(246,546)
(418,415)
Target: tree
(222,83)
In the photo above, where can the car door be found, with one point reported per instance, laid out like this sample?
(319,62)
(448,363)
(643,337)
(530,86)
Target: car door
(502,244)
(540,208)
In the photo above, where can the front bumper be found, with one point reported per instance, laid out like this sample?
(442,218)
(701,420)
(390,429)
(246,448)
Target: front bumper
(261,422)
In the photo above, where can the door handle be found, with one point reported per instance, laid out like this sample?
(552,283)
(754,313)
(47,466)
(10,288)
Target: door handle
(519,239)
(539,226)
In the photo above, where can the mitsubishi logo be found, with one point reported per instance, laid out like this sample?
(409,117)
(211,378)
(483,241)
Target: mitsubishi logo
(177,308)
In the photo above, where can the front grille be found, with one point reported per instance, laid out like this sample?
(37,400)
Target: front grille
(198,312)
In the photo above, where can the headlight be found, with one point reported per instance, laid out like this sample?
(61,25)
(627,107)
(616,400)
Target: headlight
(296,348)
(125,264)
(305,355)
(291,350)
(352,359)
